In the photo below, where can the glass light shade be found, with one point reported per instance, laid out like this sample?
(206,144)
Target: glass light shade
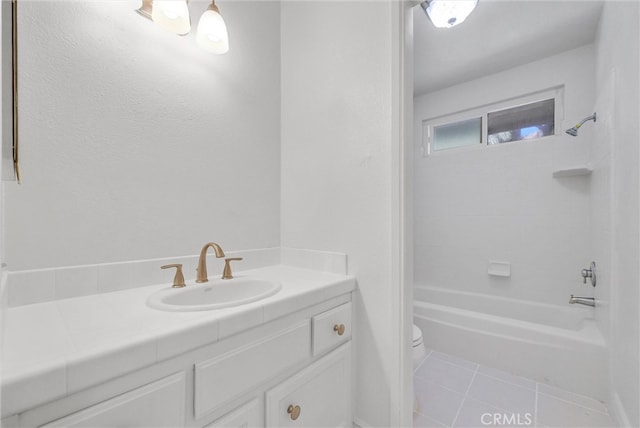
(172,15)
(212,32)
(446,14)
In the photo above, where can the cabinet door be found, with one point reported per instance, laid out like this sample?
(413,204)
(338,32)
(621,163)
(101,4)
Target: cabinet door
(158,404)
(317,396)
(246,416)
(236,373)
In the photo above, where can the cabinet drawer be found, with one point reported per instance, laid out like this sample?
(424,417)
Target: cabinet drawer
(239,372)
(318,396)
(328,326)
(158,404)
(246,416)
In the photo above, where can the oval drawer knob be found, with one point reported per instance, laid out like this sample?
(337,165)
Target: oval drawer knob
(339,328)
(294,411)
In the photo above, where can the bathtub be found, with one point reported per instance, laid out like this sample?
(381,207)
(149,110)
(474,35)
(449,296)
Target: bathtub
(558,345)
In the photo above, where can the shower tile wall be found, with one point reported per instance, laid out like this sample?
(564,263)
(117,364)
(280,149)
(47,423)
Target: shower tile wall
(502,203)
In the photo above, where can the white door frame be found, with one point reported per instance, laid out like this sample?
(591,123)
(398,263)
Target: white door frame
(401,394)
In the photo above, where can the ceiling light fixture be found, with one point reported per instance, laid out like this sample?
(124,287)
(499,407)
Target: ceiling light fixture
(448,13)
(173,15)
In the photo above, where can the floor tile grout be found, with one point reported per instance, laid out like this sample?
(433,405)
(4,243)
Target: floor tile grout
(535,408)
(493,377)
(536,389)
(577,404)
(466,394)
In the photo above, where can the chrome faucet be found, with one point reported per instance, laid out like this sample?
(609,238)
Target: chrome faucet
(201,275)
(589,273)
(589,301)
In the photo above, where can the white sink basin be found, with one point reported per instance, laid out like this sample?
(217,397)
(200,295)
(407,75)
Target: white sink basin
(217,294)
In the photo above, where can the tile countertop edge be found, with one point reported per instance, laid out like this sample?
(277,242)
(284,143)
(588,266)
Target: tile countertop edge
(146,347)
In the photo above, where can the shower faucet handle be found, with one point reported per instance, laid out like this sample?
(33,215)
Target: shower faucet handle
(589,273)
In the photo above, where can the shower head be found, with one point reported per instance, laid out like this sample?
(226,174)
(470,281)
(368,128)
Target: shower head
(574,131)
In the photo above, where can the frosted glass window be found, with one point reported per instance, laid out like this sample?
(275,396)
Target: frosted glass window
(524,122)
(458,134)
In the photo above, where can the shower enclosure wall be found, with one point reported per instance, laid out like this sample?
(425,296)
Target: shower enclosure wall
(477,205)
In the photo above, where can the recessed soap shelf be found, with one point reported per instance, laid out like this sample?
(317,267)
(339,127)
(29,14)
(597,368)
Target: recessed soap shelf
(573,171)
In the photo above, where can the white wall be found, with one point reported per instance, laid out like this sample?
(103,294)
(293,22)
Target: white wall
(3,295)
(135,143)
(615,199)
(501,202)
(336,167)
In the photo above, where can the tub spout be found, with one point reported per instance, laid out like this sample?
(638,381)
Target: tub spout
(589,301)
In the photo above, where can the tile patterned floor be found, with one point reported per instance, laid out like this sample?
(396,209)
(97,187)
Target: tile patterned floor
(452,392)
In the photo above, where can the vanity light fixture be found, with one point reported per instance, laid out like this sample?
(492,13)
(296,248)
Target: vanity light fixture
(173,15)
(212,31)
(448,13)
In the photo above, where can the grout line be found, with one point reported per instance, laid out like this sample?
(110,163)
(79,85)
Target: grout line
(452,357)
(421,380)
(509,382)
(421,363)
(535,408)
(466,393)
(579,405)
(536,390)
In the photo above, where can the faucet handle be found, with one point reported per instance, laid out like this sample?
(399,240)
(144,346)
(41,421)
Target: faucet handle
(589,273)
(178,279)
(226,273)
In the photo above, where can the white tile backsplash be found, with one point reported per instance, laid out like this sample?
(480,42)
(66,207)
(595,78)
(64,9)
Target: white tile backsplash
(324,261)
(255,259)
(148,272)
(76,281)
(28,287)
(115,277)
(36,286)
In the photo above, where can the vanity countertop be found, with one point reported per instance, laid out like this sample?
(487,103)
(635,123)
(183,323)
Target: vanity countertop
(56,348)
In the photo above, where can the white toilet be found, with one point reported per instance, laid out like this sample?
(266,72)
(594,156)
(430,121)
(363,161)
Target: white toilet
(419,351)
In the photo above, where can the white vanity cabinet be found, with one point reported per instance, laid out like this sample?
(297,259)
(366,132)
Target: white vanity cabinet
(246,416)
(159,404)
(317,396)
(249,379)
(239,372)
